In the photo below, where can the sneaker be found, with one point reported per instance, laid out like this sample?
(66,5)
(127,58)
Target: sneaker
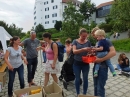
(95,74)
(120,73)
(129,73)
(114,74)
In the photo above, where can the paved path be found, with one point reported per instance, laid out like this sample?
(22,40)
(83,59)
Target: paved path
(118,86)
(123,35)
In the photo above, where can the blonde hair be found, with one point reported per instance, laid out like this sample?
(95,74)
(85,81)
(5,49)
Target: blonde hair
(100,32)
(95,29)
(82,30)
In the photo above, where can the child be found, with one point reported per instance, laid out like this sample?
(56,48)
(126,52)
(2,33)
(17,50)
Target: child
(102,50)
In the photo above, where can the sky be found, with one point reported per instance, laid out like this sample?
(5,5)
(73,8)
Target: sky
(20,12)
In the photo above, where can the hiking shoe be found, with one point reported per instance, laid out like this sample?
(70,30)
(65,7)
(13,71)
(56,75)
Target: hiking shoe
(114,74)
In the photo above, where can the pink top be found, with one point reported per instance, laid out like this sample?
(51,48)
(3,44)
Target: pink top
(49,54)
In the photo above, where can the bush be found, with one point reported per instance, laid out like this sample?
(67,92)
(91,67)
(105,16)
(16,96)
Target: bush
(27,36)
(57,35)
(52,30)
(106,27)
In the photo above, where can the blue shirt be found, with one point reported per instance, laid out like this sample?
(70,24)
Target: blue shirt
(103,43)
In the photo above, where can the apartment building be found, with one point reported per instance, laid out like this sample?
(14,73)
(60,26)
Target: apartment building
(47,12)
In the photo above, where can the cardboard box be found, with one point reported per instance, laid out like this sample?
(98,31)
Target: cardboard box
(17,93)
(52,90)
(3,78)
(86,96)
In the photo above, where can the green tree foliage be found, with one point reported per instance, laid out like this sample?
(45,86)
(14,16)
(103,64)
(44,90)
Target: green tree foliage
(87,8)
(12,29)
(58,25)
(120,13)
(39,28)
(73,21)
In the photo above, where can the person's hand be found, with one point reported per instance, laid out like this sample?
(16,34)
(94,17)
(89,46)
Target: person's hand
(87,49)
(127,60)
(38,48)
(98,60)
(52,66)
(25,61)
(94,48)
(10,67)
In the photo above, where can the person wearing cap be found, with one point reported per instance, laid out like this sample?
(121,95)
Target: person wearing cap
(32,46)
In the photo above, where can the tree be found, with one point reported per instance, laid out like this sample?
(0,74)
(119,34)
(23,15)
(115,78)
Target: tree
(12,29)
(73,21)
(87,9)
(58,25)
(120,13)
(39,28)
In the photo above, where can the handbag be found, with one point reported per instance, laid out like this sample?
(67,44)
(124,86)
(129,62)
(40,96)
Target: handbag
(70,59)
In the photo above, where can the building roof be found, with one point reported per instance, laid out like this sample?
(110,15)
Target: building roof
(76,1)
(105,4)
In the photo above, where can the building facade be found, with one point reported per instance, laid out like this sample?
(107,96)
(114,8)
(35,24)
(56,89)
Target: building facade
(47,12)
(102,11)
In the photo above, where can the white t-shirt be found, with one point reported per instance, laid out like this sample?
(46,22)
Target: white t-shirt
(15,57)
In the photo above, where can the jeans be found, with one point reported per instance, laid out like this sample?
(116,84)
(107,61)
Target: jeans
(126,69)
(31,67)
(20,71)
(100,81)
(108,62)
(77,68)
(44,56)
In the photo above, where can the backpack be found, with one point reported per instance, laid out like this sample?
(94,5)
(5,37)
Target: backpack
(60,51)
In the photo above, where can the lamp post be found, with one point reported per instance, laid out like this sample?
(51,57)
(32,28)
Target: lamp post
(89,28)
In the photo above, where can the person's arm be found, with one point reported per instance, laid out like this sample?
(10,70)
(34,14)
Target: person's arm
(98,48)
(24,59)
(77,51)
(55,50)
(110,54)
(120,61)
(7,61)
(22,56)
(39,45)
(127,61)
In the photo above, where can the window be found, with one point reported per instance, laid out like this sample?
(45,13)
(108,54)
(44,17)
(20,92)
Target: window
(55,7)
(47,22)
(35,12)
(45,2)
(47,9)
(35,23)
(46,16)
(65,7)
(53,21)
(52,1)
(35,7)
(34,17)
(54,15)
